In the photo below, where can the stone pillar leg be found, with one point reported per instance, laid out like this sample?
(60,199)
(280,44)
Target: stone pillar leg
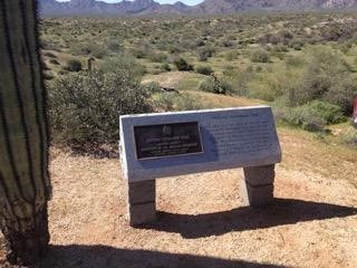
(141,202)
(258,185)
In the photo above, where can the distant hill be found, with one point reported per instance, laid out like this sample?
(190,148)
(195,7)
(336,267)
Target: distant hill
(145,7)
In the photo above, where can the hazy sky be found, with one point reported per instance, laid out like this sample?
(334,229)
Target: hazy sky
(187,2)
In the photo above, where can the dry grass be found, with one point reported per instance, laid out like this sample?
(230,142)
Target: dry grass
(223,101)
(177,80)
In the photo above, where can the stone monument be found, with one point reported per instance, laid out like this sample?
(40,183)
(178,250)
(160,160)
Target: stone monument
(161,145)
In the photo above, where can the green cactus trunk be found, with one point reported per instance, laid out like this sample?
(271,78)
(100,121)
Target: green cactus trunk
(24,181)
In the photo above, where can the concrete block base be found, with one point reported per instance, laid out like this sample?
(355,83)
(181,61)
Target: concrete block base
(141,213)
(257,186)
(141,202)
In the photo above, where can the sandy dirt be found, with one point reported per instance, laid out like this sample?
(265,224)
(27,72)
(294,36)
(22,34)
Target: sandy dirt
(201,222)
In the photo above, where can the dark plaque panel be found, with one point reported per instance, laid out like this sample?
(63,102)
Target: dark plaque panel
(155,141)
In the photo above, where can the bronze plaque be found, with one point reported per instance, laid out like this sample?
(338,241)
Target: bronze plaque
(156,141)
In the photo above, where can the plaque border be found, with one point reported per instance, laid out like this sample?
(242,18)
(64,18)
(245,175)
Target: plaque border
(167,156)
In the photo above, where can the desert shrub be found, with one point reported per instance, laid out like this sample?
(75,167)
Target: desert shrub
(330,113)
(187,102)
(124,63)
(326,77)
(205,70)
(99,52)
(304,118)
(345,47)
(205,52)
(62,72)
(213,85)
(259,55)
(84,108)
(228,70)
(50,55)
(156,70)
(174,49)
(171,101)
(50,45)
(227,43)
(114,45)
(342,93)
(259,69)
(283,36)
(349,137)
(152,88)
(158,57)
(84,49)
(138,53)
(182,65)
(239,79)
(294,61)
(231,55)
(165,67)
(73,65)
(54,61)
(199,43)
(280,48)
(338,31)
(313,116)
(296,44)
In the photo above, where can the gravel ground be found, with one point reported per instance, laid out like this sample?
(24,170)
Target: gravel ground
(201,222)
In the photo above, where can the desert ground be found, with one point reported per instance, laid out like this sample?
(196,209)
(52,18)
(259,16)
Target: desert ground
(201,222)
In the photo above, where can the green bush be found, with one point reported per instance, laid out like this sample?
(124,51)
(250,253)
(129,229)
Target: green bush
(259,55)
(73,65)
(304,118)
(342,93)
(84,108)
(182,65)
(330,113)
(205,70)
(213,85)
(313,116)
(326,77)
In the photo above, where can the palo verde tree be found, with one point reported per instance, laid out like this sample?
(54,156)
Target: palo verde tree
(24,181)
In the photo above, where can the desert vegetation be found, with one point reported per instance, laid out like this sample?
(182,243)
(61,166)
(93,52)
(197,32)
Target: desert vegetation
(304,65)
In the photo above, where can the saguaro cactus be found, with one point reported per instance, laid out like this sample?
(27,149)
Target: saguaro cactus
(24,180)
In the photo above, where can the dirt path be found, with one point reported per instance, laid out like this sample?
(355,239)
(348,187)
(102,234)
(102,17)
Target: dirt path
(201,221)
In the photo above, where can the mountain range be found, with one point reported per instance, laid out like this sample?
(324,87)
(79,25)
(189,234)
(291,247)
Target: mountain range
(147,7)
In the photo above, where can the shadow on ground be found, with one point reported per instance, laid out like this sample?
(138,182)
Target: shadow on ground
(80,256)
(281,212)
